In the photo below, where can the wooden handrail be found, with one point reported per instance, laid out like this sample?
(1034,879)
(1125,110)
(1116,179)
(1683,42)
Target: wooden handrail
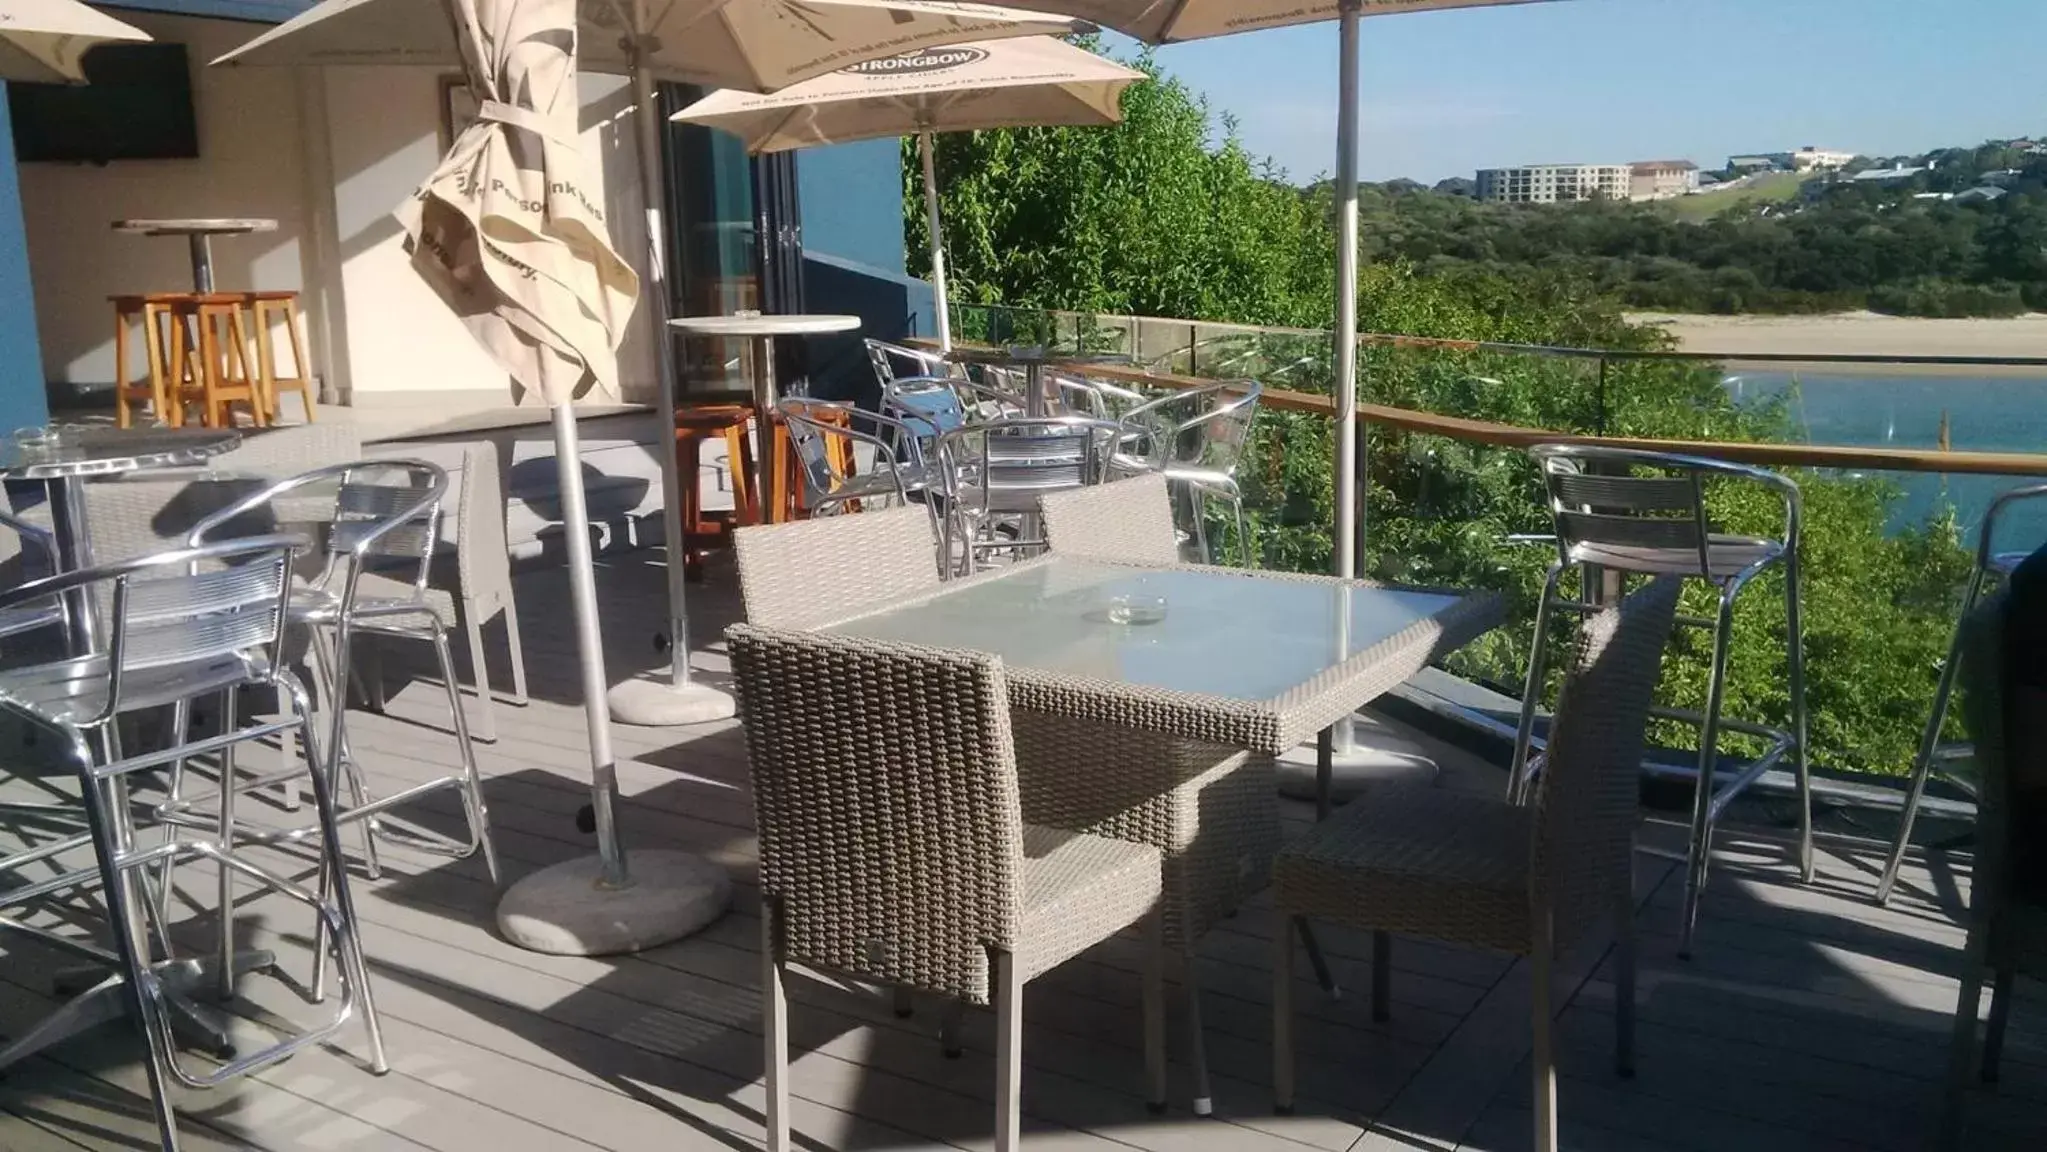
(1516,436)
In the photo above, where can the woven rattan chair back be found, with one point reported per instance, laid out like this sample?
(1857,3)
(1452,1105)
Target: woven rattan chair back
(1587,795)
(1125,520)
(885,795)
(803,574)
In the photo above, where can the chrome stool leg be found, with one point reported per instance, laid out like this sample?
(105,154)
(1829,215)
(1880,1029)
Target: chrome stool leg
(1929,747)
(1794,640)
(1531,691)
(472,782)
(1699,853)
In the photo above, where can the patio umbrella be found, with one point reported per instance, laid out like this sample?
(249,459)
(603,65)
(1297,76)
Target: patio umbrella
(505,233)
(1170,21)
(45,41)
(755,44)
(1031,80)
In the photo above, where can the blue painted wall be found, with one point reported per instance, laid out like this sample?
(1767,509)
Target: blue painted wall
(853,249)
(22,402)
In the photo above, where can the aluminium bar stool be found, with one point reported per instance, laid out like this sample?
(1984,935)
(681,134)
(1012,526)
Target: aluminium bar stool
(1992,569)
(183,624)
(992,474)
(384,521)
(1610,514)
(1196,438)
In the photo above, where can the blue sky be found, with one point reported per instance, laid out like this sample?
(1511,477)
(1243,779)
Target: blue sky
(1591,81)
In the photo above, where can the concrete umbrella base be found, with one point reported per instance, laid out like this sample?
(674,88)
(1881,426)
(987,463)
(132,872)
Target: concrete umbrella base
(659,704)
(1378,755)
(565,910)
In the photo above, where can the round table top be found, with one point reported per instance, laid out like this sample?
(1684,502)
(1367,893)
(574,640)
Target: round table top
(764,325)
(99,451)
(1032,354)
(197,227)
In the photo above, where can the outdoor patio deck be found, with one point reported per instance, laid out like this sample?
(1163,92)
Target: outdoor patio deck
(1809,1018)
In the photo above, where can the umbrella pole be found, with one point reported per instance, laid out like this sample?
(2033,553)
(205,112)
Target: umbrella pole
(568,462)
(938,302)
(1346,383)
(678,700)
(591,905)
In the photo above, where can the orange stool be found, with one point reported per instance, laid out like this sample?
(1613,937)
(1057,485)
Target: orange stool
(162,383)
(210,342)
(694,424)
(266,308)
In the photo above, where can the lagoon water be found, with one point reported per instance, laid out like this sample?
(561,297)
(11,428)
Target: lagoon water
(1985,414)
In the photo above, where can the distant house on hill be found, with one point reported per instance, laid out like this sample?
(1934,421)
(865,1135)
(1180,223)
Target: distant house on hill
(1662,179)
(1887,175)
(1810,159)
(1761,162)
(1984,194)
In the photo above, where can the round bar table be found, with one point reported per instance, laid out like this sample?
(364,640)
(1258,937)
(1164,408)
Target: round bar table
(762,330)
(1034,359)
(199,234)
(66,458)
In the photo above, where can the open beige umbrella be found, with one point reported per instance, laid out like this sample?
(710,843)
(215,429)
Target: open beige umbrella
(46,40)
(755,44)
(508,232)
(1032,80)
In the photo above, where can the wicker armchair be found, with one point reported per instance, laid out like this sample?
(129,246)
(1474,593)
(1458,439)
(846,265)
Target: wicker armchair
(804,573)
(1482,872)
(893,847)
(1122,520)
(2007,935)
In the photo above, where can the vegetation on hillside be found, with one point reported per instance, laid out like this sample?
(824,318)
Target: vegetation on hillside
(1168,215)
(1822,245)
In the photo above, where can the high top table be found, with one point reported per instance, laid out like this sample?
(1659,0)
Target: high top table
(1034,360)
(762,330)
(199,234)
(64,459)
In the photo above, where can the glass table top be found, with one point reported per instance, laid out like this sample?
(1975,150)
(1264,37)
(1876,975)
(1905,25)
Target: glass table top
(48,454)
(1234,635)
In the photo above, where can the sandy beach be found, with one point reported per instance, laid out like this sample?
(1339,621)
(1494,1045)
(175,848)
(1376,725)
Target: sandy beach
(1858,333)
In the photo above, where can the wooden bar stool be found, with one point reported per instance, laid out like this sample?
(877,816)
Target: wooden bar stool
(210,342)
(694,424)
(159,387)
(267,308)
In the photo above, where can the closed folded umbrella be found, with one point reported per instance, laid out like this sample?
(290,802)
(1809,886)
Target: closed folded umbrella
(754,44)
(46,40)
(1028,81)
(507,231)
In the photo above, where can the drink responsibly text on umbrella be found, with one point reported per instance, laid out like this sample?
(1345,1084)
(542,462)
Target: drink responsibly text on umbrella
(750,44)
(783,41)
(1024,82)
(46,40)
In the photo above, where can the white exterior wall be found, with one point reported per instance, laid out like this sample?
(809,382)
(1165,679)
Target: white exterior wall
(327,156)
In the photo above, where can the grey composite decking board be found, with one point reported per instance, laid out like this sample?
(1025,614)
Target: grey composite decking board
(1822,1018)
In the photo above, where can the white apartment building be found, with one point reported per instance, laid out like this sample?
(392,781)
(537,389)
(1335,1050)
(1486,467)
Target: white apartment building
(1555,183)
(1809,159)
(1662,179)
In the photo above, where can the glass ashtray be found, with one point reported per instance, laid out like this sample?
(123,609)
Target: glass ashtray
(1135,608)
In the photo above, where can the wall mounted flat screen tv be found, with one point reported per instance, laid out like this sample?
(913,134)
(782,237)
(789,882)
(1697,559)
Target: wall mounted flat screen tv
(136,104)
